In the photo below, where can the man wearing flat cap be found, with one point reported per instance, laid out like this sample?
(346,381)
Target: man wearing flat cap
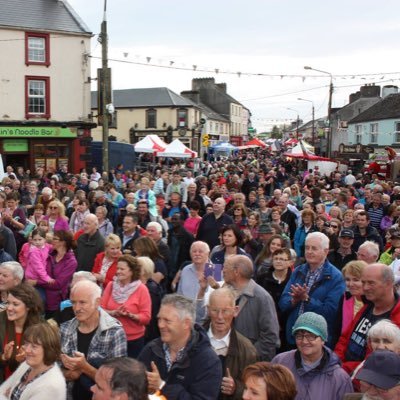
(344,253)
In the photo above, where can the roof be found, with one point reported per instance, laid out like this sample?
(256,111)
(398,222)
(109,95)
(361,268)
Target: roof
(387,108)
(207,111)
(150,97)
(42,15)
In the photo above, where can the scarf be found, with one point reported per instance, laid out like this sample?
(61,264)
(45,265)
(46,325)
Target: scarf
(121,293)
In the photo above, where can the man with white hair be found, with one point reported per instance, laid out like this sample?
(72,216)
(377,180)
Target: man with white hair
(88,340)
(11,275)
(181,363)
(368,252)
(314,286)
(155,232)
(89,244)
(349,178)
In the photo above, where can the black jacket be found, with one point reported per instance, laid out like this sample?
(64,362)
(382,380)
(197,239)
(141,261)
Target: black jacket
(196,376)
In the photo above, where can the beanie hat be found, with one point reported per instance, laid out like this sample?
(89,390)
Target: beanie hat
(312,322)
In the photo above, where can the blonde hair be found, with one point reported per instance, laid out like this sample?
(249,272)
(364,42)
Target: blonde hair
(147,265)
(112,239)
(59,205)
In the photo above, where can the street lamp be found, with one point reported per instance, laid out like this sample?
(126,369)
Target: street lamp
(329,136)
(313,120)
(297,121)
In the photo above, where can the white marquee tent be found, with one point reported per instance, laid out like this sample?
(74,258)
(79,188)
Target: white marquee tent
(177,149)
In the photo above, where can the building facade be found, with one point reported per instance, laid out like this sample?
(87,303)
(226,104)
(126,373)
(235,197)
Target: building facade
(44,90)
(157,111)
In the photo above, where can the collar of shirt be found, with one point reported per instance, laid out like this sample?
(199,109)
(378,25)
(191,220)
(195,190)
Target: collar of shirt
(221,345)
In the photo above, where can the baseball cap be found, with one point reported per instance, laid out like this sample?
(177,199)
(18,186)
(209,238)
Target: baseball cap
(381,369)
(346,233)
(312,322)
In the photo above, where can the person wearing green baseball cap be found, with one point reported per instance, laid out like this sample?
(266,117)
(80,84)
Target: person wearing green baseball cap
(315,367)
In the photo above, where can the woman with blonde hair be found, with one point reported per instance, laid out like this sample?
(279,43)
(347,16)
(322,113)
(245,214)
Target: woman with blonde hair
(105,263)
(156,293)
(56,217)
(352,300)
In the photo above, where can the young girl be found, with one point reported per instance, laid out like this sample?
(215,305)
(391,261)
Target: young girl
(35,271)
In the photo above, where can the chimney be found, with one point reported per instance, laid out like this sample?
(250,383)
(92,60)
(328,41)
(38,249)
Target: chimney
(193,95)
(389,89)
(354,96)
(202,82)
(370,91)
(222,86)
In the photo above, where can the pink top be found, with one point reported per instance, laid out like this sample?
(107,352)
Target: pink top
(23,254)
(139,303)
(36,264)
(192,224)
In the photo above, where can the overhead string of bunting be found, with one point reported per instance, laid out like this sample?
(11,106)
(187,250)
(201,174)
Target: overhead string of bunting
(147,61)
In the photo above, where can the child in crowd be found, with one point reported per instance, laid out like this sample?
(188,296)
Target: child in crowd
(35,271)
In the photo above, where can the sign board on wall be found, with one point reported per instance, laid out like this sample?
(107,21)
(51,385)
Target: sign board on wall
(37,131)
(14,146)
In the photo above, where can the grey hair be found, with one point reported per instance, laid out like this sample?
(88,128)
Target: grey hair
(385,328)
(324,240)
(203,244)
(128,376)
(83,275)
(185,307)
(15,268)
(156,225)
(224,291)
(93,288)
(243,264)
(371,247)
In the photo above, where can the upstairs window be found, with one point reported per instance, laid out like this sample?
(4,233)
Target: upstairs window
(373,129)
(182,118)
(37,49)
(397,132)
(37,97)
(151,118)
(358,134)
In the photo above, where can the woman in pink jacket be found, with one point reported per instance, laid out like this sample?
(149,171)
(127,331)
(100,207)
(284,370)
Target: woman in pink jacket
(128,300)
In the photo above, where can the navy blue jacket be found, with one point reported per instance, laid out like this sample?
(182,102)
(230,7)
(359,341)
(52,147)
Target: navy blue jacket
(197,376)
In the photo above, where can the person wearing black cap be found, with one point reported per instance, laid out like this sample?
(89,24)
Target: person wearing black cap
(344,253)
(380,377)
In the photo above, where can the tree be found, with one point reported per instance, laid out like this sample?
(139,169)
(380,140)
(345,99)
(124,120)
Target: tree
(276,133)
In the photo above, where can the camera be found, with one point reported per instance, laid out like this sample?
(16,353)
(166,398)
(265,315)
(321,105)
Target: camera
(327,224)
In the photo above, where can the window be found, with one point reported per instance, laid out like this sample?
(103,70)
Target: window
(37,96)
(373,130)
(37,49)
(182,118)
(358,133)
(151,118)
(397,132)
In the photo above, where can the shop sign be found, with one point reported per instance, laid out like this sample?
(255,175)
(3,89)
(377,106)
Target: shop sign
(37,131)
(13,146)
(355,149)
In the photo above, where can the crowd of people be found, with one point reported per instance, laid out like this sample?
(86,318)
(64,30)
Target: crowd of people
(251,278)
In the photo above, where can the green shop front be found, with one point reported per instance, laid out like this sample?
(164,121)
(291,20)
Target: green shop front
(45,145)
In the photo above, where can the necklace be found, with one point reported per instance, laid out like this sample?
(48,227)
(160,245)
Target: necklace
(280,280)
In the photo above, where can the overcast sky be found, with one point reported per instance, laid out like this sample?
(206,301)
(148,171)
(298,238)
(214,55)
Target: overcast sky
(254,36)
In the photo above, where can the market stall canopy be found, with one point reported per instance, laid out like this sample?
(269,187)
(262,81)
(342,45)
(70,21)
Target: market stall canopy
(256,142)
(304,150)
(150,144)
(291,142)
(177,149)
(224,146)
(246,147)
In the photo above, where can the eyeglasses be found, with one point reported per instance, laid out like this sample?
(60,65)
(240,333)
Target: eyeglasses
(334,226)
(224,311)
(309,337)
(53,208)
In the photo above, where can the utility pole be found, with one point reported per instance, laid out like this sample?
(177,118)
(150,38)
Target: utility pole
(313,126)
(105,86)
(329,135)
